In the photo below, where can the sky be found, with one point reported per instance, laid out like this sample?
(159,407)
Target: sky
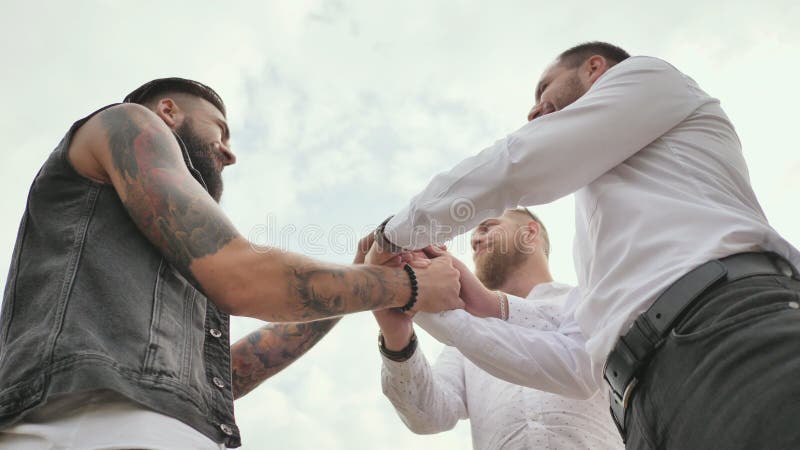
(341,111)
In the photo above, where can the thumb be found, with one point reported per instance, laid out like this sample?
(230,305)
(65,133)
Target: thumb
(433,251)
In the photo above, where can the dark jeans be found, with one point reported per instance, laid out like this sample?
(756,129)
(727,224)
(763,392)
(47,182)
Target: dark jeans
(728,376)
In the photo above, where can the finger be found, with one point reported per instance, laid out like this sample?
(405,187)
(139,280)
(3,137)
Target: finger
(419,254)
(420,263)
(394,261)
(407,256)
(362,248)
(432,252)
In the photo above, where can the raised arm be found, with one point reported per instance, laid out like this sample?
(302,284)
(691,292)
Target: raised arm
(135,150)
(428,400)
(630,106)
(552,359)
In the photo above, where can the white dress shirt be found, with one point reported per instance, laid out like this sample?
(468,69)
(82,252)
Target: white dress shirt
(502,415)
(660,186)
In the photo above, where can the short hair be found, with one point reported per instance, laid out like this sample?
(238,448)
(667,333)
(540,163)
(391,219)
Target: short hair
(151,90)
(575,56)
(535,218)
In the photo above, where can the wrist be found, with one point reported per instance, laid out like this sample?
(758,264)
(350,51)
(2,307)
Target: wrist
(413,288)
(483,303)
(383,243)
(396,340)
(400,355)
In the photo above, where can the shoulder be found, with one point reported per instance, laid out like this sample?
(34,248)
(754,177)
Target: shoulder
(550,291)
(642,62)
(102,125)
(122,117)
(105,131)
(644,67)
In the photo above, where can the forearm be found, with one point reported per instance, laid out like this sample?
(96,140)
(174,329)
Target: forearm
(551,361)
(425,403)
(270,349)
(279,286)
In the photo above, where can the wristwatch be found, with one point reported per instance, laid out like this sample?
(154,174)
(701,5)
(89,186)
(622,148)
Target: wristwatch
(383,243)
(400,355)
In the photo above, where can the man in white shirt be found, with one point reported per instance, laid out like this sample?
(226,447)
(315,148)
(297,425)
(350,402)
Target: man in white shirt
(688,297)
(511,256)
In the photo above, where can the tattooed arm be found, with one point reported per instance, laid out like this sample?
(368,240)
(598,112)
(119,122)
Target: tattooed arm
(270,349)
(135,150)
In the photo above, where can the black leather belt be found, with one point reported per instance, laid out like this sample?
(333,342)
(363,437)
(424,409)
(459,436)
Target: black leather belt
(633,350)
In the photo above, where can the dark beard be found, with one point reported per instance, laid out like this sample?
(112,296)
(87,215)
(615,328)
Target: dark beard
(495,266)
(202,156)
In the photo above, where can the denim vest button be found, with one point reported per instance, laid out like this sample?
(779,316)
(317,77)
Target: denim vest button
(226,429)
(218,382)
(215,332)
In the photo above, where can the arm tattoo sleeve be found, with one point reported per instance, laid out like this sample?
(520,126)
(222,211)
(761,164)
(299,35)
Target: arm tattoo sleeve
(329,292)
(167,204)
(270,349)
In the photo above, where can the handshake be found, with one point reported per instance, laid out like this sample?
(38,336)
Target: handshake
(444,283)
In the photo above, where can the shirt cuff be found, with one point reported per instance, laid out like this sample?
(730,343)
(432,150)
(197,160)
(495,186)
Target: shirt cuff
(516,306)
(400,232)
(404,370)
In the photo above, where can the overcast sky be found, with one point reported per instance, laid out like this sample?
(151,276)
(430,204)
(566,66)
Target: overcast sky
(340,111)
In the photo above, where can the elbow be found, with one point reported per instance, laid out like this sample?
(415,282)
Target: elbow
(231,294)
(231,300)
(423,425)
(425,429)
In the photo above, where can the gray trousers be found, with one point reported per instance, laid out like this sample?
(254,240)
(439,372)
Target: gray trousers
(728,375)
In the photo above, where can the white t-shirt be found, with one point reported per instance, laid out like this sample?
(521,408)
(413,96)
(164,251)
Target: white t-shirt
(101,420)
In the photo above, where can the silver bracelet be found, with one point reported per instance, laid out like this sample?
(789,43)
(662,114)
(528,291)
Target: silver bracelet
(503,305)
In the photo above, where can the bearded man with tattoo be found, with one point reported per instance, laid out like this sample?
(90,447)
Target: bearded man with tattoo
(114,330)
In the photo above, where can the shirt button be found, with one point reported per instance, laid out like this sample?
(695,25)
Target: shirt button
(226,429)
(218,382)
(215,332)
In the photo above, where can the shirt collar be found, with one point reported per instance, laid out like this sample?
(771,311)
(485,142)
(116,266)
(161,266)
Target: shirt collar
(550,289)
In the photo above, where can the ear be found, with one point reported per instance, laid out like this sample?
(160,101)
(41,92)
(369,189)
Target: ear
(170,113)
(532,231)
(594,67)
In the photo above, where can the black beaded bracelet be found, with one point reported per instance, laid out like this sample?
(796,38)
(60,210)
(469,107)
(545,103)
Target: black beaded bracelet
(414,289)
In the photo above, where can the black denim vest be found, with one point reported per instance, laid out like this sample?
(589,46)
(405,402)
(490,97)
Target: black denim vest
(90,304)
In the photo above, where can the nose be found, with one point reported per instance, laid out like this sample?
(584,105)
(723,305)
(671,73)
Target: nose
(542,109)
(534,112)
(228,157)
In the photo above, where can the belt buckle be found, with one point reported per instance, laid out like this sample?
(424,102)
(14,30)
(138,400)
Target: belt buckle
(618,414)
(626,396)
